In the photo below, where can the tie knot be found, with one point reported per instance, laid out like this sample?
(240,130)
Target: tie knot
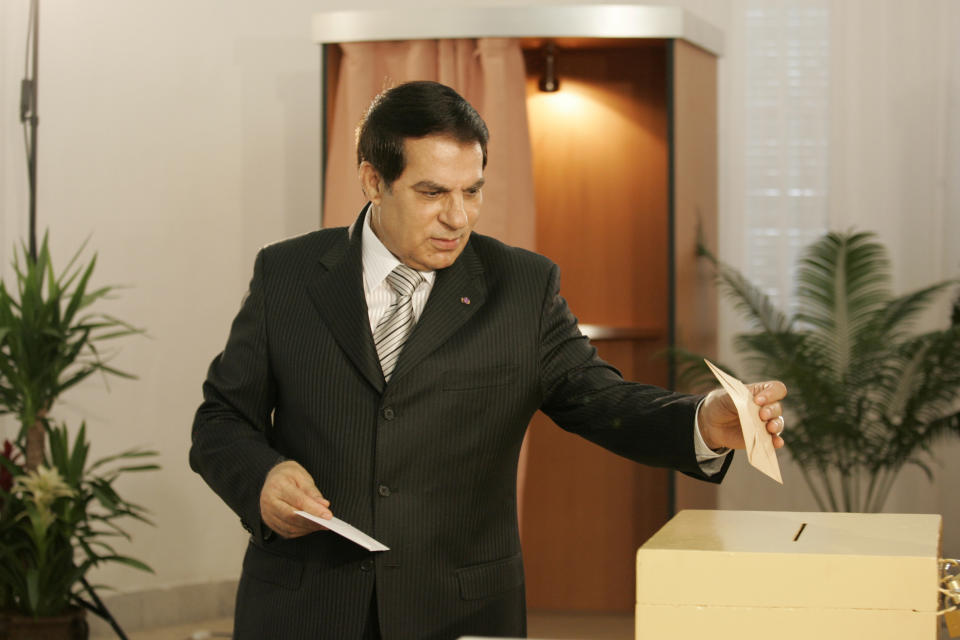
(404,280)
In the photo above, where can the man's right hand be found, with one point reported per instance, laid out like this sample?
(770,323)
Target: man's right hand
(290,488)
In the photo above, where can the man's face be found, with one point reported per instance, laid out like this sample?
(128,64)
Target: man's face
(425,217)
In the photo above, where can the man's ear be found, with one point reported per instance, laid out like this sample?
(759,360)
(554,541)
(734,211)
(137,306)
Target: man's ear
(371,182)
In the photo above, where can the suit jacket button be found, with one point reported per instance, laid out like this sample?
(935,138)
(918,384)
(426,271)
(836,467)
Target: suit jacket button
(366,565)
(383,490)
(388,413)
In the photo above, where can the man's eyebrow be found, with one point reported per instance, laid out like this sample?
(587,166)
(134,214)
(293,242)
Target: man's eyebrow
(427,185)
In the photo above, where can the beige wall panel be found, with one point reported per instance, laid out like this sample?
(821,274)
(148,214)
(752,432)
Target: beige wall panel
(695,216)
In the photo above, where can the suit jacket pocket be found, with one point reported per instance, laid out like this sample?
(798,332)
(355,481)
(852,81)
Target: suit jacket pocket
(272,568)
(464,379)
(489,579)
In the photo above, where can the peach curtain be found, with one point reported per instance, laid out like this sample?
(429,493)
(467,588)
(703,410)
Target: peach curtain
(490,74)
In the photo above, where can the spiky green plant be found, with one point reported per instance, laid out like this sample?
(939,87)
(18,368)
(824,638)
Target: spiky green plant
(49,340)
(57,513)
(58,521)
(867,396)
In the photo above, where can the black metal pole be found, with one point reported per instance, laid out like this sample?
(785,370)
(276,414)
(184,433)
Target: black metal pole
(34,120)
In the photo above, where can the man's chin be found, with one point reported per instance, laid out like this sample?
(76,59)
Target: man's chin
(440,260)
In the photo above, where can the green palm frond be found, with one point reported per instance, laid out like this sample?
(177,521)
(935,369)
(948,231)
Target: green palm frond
(899,313)
(931,389)
(843,282)
(749,299)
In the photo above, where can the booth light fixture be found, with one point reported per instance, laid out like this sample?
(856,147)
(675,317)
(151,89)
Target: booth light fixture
(549,81)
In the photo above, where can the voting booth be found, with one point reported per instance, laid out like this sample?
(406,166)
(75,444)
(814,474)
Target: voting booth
(629,142)
(752,575)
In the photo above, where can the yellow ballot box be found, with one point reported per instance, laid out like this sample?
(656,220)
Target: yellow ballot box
(752,575)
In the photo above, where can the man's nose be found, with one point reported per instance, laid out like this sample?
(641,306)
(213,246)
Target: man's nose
(455,213)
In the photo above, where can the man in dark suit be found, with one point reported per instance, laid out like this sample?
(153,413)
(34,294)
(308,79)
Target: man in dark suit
(398,396)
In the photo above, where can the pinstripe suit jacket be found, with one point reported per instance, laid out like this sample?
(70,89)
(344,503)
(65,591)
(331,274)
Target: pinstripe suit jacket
(427,463)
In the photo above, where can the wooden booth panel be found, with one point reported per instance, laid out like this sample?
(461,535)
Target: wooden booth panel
(586,510)
(601,175)
(600,156)
(695,215)
(695,194)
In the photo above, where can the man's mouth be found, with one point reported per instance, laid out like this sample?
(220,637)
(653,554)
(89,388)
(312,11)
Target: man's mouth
(445,244)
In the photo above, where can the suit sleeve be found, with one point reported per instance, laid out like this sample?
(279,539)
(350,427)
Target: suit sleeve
(231,448)
(587,396)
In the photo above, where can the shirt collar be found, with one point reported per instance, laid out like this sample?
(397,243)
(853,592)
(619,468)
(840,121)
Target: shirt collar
(378,262)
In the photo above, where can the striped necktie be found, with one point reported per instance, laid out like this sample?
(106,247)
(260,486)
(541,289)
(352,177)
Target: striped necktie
(395,326)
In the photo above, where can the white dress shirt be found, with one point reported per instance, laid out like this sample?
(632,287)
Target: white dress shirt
(378,262)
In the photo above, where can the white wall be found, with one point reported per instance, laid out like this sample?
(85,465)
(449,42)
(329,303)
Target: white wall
(183,136)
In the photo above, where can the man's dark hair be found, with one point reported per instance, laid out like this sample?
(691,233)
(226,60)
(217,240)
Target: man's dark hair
(415,110)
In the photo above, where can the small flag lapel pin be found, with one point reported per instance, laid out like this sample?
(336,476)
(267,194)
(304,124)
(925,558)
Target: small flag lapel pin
(465,300)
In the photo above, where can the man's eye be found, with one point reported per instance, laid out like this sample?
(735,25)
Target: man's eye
(431,194)
(474,191)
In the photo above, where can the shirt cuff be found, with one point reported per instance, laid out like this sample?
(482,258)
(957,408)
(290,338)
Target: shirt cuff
(710,461)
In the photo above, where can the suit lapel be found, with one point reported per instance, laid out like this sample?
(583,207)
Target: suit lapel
(458,292)
(337,292)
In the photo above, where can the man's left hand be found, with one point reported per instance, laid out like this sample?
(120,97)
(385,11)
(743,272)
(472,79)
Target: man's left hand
(720,424)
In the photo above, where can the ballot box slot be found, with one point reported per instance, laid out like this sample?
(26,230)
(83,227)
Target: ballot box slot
(799,531)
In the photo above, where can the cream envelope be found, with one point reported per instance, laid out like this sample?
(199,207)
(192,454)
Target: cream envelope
(759,442)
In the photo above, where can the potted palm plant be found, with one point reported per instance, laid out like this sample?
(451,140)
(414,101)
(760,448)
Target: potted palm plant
(59,511)
(868,395)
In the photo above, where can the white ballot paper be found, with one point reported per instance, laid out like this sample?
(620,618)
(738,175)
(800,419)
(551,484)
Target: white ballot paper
(760,451)
(348,531)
